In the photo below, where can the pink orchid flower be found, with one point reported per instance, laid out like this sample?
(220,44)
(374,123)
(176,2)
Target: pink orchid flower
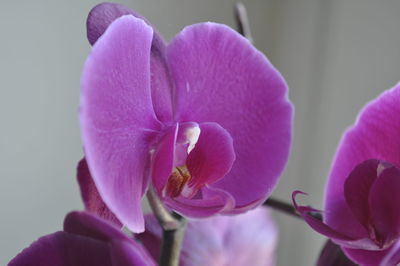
(362,194)
(204,120)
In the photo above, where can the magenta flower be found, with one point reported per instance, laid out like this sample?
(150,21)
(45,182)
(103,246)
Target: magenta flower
(205,120)
(240,240)
(362,214)
(86,240)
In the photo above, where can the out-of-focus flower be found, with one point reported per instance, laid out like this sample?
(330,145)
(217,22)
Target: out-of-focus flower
(362,195)
(240,240)
(206,120)
(86,240)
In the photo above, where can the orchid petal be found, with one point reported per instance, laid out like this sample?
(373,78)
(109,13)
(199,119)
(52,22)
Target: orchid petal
(64,249)
(123,253)
(213,201)
(212,156)
(152,237)
(392,256)
(336,236)
(357,190)
(86,240)
(220,77)
(117,117)
(100,17)
(85,224)
(367,257)
(384,203)
(91,198)
(163,159)
(332,255)
(376,134)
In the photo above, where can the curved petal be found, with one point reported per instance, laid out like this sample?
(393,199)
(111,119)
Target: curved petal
(86,240)
(162,160)
(151,238)
(392,256)
(332,255)
(357,190)
(100,17)
(212,157)
(310,217)
(64,249)
(117,118)
(367,257)
(376,134)
(125,253)
(220,77)
(123,250)
(91,198)
(86,224)
(384,204)
(213,201)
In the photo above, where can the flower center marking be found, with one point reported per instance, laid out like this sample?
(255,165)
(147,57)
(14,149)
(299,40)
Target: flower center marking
(179,177)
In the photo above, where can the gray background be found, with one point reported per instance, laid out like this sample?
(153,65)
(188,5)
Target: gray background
(335,55)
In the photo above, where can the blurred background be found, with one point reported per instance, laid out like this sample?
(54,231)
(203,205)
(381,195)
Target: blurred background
(335,55)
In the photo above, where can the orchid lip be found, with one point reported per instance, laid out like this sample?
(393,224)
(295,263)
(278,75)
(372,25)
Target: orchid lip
(190,156)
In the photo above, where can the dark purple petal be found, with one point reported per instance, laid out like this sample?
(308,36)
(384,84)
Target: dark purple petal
(86,224)
(86,240)
(91,198)
(100,17)
(123,250)
(336,236)
(123,253)
(376,134)
(220,77)
(332,255)
(367,257)
(212,157)
(64,249)
(384,202)
(357,190)
(117,119)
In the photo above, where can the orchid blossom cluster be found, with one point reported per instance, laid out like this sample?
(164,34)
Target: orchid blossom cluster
(203,126)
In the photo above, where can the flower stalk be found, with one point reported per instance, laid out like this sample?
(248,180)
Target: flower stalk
(282,206)
(242,21)
(173,230)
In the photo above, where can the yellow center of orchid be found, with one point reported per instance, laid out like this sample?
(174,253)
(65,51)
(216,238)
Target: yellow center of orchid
(179,177)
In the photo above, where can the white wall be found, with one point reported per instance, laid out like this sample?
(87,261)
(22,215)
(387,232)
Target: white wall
(335,55)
